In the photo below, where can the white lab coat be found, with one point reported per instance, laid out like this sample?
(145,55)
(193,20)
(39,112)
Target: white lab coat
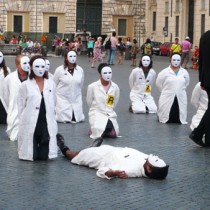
(69,94)
(29,101)
(140,94)
(11,88)
(199,100)
(2,86)
(100,110)
(171,85)
(105,158)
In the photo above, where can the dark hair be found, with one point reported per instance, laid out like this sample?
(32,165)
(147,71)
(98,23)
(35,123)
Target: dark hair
(32,75)
(148,41)
(120,39)
(113,33)
(134,41)
(65,59)
(157,172)
(4,67)
(140,62)
(101,66)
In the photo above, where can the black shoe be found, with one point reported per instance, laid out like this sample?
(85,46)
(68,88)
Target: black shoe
(195,140)
(130,109)
(60,141)
(97,142)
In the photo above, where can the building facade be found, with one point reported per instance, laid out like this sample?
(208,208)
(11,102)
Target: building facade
(161,20)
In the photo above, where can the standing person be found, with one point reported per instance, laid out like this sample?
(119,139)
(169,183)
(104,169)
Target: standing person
(102,98)
(134,51)
(97,55)
(90,45)
(4,71)
(128,49)
(111,52)
(121,162)
(172,83)
(120,50)
(204,77)
(147,47)
(11,88)
(37,132)
(195,58)
(186,47)
(69,79)
(141,81)
(199,100)
(175,47)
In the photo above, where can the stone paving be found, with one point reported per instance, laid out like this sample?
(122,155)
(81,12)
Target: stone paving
(57,184)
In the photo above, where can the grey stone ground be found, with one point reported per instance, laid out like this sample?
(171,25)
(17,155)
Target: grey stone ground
(57,184)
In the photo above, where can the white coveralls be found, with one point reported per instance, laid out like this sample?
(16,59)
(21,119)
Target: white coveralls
(102,106)
(2,86)
(140,94)
(171,85)
(29,101)
(11,88)
(69,94)
(199,100)
(107,157)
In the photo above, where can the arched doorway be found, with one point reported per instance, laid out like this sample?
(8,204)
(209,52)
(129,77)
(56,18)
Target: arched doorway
(89,16)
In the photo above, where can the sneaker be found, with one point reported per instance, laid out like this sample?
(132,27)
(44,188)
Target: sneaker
(60,141)
(97,142)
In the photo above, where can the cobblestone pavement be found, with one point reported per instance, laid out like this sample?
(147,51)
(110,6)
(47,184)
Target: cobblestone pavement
(57,184)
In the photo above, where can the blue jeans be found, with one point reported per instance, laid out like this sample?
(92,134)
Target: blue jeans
(111,55)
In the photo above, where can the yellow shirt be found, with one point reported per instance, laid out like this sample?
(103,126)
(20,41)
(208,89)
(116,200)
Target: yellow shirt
(176,48)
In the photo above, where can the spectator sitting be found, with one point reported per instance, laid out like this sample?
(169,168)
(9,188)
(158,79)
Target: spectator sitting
(13,40)
(37,47)
(30,45)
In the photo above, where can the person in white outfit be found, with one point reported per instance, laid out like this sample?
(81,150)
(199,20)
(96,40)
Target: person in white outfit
(102,98)
(199,100)
(69,79)
(36,113)
(121,162)
(11,88)
(141,81)
(47,62)
(4,71)
(172,83)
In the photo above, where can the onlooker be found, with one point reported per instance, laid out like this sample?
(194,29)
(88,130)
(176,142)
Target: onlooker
(120,50)
(195,58)
(97,55)
(175,47)
(90,45)
(128,49)
(13,40)
(111,52)
(186,47)
(134,51)
(147,47)
(204,77)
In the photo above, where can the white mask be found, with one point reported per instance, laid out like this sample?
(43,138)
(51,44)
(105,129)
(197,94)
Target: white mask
(106,73)
(72,57)
(156,161)
(47,67)
(1,57)
(39,67)
(145,61)
(24,63)
(176,60)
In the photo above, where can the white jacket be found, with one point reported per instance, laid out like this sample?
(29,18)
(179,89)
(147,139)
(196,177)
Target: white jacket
(105,158)
(171,85)
(2,86)
(141,87)
(199,100)
(69,94)
(102,106)
(11,88)
(29,101)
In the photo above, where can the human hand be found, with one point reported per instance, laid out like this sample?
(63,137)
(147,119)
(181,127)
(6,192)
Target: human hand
(121,174)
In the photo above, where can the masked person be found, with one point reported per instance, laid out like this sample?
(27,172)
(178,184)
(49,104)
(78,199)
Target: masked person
(116,162)
(102,98)
(69,79)
(172,83)
(4,71)
(37,131)
(47,67)
(11,88)
(141,80)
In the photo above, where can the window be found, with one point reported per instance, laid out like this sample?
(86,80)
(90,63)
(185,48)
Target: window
(177,26)
(18,23)
(53,24)
(122,24)
(166,22)
(177,5)
(154,21)
(203,4)
(202,24)
(167,7)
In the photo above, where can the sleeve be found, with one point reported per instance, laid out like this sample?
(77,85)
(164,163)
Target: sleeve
(131,79)
(21,99)
(152,77)
(6,92)
(101,173)
(117,96)
(82,79)
(56,76)
(89,97)
(159,81)
(187,78)
(200,60)
(196,95)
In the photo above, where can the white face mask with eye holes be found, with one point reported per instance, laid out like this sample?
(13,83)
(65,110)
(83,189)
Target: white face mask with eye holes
(72,57)
(1,57)
(106,73)
(176,60)
(145,61)
(24,63)
(47,63)
(38,67)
